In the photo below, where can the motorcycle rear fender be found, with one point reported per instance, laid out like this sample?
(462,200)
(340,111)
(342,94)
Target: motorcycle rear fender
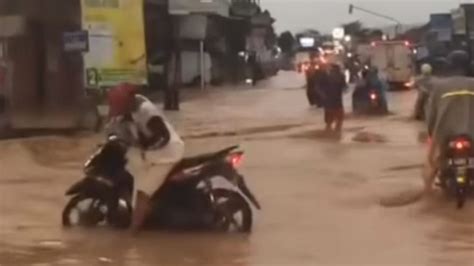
(76,188)
(231,175)
(91,186)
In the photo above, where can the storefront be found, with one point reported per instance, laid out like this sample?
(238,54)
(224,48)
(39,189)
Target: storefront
(40,81)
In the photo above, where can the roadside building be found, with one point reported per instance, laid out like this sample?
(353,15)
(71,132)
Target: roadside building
(41,83)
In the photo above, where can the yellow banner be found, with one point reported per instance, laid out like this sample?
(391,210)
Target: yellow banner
(116,42)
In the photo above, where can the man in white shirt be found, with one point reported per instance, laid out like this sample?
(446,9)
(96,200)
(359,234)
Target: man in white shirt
(138,121)
(142,124)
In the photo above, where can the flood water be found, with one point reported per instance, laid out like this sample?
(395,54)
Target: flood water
(325,201)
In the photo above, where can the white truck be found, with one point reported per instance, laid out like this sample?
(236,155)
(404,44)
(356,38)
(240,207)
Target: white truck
(395,62)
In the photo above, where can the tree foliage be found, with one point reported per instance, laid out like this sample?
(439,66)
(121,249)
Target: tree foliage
(286,42)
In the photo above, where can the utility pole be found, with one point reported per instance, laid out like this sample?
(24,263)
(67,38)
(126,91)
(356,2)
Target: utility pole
(467,10)
(373,13)
(173,72)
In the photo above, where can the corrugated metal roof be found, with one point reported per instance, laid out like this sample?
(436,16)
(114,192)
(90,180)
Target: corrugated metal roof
(186,7)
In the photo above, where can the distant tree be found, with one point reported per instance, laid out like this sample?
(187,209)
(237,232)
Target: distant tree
(357,30)
(377,33)
(286,41)
(353,28)
(311,32)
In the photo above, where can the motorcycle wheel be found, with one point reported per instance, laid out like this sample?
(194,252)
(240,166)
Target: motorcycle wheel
(461,199)
(93,214)
(233,211)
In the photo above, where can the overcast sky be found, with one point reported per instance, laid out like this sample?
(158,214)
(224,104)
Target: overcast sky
(324,15)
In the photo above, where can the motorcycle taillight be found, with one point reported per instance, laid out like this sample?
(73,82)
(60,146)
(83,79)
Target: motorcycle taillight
(373,96)
(235,159)
(460,144)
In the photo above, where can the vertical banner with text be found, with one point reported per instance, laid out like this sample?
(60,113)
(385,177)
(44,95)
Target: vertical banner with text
(116,42)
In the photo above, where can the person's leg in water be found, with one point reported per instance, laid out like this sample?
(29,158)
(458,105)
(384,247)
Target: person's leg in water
(328,119)
(124,190)
(431,167)
(339,118)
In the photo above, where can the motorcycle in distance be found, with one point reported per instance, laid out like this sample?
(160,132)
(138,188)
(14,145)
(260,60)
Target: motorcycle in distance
(251,69)
(456,175)
(368,102)
(186,200)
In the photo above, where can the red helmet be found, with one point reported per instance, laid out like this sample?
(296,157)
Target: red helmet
(121,99)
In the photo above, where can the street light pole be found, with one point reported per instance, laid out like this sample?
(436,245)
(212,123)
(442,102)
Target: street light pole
(398,23)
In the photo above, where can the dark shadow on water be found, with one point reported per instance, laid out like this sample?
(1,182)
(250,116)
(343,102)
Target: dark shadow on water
(318,134)
(245,131)
(353,115)
(405,167)
(369,137)
(108,247)
(401,199)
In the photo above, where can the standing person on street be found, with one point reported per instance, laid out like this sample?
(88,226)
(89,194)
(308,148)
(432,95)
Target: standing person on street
(424,86)
(333,104)
(318,82)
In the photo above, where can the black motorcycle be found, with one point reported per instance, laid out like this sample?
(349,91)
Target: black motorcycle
(189,199)
(368,102)
(97,194)
(186,200)
(456,176)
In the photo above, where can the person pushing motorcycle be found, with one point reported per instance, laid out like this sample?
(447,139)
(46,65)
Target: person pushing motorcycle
(450,111)
(140,123)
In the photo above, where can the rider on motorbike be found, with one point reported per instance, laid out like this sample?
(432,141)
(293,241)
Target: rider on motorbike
(370,81)
(450,111)
(380,85)
(424,86)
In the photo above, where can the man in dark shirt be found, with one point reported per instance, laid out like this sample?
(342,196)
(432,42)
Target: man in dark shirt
(333,89)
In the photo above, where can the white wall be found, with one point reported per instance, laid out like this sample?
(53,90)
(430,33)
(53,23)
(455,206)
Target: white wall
(190,66)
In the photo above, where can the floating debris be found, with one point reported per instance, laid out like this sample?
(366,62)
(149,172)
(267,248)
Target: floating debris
(51,244)
(105,260)
(368,137)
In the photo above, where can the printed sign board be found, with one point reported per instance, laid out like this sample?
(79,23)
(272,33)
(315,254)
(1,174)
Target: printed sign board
(116,42)
(77,41)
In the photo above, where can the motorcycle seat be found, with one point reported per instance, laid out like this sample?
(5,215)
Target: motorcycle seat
(201,159)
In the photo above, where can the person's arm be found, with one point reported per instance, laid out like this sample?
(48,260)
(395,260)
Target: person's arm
(432,111)
(160,133)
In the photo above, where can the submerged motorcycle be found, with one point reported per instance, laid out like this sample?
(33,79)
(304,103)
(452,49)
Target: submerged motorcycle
(456,176)
(187,200)
(98,198)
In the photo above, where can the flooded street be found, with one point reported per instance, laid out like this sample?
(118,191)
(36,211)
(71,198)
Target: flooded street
(325,202)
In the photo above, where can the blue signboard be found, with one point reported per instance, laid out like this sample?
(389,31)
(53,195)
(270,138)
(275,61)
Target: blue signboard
(442,25)
(76,41)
